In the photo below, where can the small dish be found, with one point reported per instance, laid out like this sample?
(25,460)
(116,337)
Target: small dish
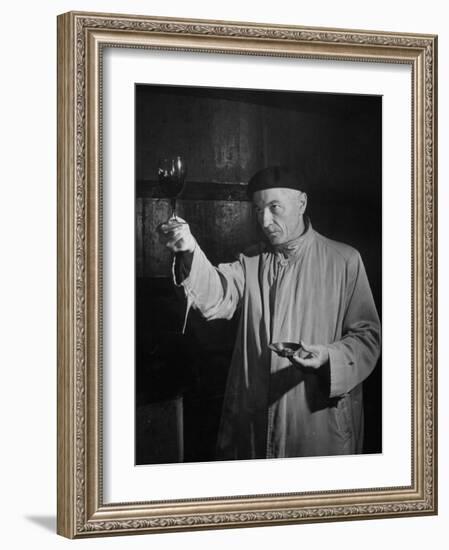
(285,349)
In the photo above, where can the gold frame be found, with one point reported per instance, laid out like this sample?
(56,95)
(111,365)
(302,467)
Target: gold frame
(81,37)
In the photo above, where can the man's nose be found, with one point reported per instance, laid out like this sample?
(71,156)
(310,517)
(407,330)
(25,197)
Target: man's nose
(267,218)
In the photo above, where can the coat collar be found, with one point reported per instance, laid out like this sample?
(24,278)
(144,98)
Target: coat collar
(292,249)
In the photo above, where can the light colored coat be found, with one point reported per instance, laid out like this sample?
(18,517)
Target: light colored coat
(316,292)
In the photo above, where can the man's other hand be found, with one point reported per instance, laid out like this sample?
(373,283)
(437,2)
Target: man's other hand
(311,356)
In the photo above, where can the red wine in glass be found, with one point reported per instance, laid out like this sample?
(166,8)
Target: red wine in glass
(172,174)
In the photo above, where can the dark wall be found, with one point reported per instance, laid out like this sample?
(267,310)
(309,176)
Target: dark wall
(226,136)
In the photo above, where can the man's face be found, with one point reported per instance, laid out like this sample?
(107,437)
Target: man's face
(280,213)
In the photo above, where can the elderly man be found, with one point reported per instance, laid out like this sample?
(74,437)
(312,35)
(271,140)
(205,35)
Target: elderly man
(298,286)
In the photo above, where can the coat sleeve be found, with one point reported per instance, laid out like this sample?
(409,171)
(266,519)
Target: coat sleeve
(214,291)
(354,357)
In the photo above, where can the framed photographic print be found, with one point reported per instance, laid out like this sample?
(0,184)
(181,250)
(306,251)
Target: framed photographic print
(246,274)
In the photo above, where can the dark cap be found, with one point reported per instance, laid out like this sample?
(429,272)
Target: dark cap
(276,176)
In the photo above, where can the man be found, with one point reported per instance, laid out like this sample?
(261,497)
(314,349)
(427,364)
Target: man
(298,287)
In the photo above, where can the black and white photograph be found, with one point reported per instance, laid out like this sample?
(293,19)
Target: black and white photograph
(258,274)
(223,237)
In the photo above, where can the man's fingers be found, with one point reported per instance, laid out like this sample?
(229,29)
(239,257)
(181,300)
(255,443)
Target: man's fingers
(175,234)
(169,231)
(311,348)
(168,227)
(178,219)
(312,362)
(174,241)
(304,353)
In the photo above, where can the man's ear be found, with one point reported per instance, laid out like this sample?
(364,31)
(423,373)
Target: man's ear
(302,202)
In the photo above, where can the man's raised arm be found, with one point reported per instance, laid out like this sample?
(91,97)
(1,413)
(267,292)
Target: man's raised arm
(215,291)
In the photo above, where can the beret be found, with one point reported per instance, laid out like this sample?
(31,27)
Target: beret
(276,176)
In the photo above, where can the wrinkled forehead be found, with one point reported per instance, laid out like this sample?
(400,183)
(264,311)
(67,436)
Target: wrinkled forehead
(275,194)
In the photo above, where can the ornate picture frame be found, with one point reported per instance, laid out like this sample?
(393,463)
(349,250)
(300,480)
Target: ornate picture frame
(82,40)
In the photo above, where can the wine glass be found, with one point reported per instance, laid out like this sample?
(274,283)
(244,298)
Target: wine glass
(172,172)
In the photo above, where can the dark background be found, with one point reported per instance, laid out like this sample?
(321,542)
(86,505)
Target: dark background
(226,135)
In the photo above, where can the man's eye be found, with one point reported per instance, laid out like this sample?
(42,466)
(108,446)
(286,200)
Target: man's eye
(275,207)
